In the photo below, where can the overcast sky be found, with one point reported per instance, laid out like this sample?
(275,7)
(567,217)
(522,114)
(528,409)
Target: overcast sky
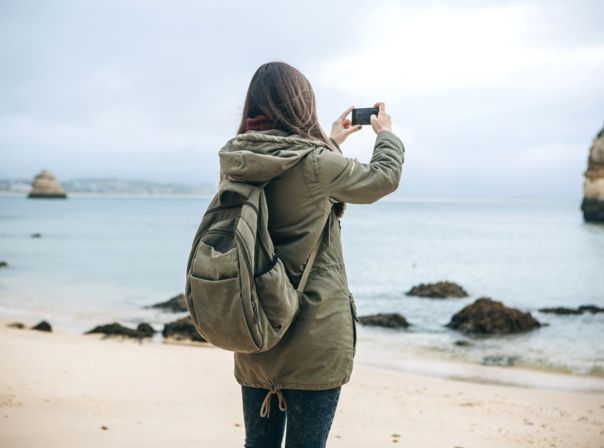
(490,98)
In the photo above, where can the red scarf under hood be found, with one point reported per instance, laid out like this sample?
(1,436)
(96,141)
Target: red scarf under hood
(259,123)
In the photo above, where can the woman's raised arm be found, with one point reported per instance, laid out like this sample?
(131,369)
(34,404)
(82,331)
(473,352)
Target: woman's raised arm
(348,180)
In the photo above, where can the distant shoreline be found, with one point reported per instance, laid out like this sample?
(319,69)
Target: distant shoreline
(119,195)
(392,198)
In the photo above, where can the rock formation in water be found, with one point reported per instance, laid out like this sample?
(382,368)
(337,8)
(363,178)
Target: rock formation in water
(176,304)
(593,309)
(593,185)
(46,185)
(438,290)
(488,316)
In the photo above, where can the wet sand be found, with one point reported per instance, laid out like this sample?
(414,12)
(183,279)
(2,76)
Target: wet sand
(65,390)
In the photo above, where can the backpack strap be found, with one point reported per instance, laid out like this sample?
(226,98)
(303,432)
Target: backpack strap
(311,258)
(313,253)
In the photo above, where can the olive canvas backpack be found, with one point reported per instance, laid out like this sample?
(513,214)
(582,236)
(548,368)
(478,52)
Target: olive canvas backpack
(238,293)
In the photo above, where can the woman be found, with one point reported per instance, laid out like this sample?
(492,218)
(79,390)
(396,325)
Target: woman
(280,140)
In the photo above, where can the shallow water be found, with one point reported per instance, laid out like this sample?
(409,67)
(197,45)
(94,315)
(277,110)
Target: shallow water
(102,259)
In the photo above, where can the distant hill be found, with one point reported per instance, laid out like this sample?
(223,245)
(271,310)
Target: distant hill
(113,186)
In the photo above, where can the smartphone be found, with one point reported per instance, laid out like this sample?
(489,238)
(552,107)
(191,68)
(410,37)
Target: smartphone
(363,115)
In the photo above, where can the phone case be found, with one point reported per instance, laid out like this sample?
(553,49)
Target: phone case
(363,115)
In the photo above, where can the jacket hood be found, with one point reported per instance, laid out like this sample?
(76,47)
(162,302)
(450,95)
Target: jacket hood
(258,156)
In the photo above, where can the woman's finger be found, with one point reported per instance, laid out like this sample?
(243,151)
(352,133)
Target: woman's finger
(352,129)
(381,107)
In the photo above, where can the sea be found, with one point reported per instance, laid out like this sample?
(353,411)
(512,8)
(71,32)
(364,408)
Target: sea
(101,259)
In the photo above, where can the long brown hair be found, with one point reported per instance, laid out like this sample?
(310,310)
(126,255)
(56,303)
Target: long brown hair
(285,96)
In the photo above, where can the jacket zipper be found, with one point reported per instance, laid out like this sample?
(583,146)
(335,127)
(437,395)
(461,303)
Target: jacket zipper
(354,330)
(355,319)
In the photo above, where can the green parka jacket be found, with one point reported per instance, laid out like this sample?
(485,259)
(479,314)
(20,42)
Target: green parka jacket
(306,179)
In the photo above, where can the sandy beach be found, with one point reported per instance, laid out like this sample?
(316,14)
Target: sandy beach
(66,390)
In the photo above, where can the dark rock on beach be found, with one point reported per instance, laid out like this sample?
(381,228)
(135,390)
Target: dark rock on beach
(580,310)
(114,329)
(176,304)
(488,316)
(17,325)
(3,264)
(389,320)
(500,360)
(42,326)
(182,330)
(462,343)
(143,330)
(438,290)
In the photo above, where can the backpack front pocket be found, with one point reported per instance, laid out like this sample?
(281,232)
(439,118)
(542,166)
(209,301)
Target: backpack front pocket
(217,311)
(214,261)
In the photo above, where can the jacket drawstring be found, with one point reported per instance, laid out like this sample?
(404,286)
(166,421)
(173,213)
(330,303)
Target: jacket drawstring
(266,403)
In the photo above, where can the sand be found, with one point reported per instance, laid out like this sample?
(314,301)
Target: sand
(68,390)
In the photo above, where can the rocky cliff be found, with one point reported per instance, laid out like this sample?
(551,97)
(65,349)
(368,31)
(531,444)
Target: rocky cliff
(46,185)
(593,185)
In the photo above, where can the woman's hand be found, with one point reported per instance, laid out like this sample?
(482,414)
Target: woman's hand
(382,121)
(342,127)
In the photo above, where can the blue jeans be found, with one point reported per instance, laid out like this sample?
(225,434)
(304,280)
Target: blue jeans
(309,416)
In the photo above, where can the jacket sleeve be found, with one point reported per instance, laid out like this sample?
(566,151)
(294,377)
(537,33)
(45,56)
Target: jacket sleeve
(348,180)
